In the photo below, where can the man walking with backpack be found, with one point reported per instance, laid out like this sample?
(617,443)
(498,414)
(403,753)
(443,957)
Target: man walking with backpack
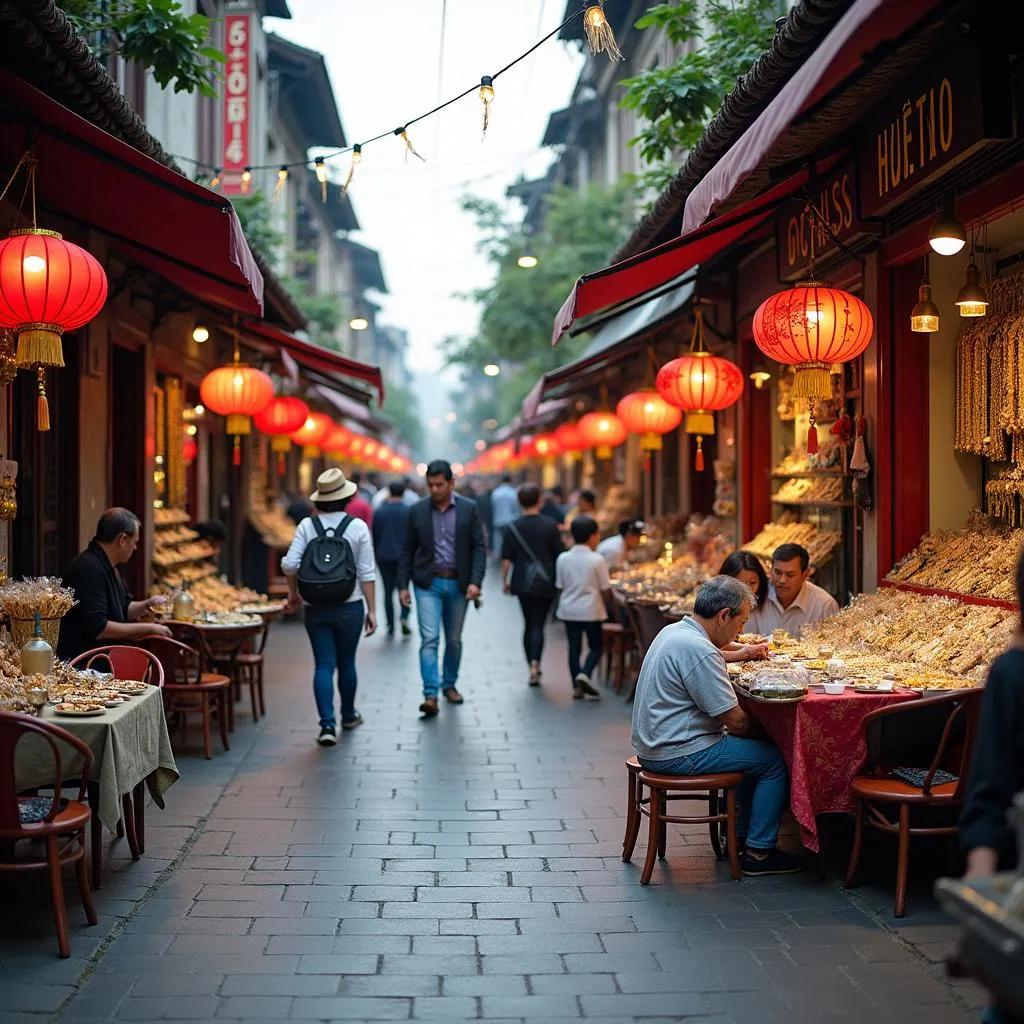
(329,568)
(445,557)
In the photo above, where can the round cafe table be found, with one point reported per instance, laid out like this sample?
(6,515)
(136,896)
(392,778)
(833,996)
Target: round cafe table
(822,740)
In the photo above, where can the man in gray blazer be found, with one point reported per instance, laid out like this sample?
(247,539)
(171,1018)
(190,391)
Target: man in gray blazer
(445,557)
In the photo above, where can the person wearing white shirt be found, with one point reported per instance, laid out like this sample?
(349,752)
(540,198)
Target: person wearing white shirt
(581,577)
(334,629)
(504,510)
(615,550)
(409,496)
(793,602)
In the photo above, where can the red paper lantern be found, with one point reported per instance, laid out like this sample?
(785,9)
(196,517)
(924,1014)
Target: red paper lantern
(812,326)
(47,286)
(358,448)
(568,436)
(646,413)
(312,432)
(238,392)
(337,442)
(189,449)
(279,419)
(546,446)
(602,431)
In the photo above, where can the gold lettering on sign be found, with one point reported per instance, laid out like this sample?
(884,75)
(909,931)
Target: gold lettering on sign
(809,234)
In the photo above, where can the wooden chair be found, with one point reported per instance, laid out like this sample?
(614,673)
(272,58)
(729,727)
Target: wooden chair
(250,669)
(220,651)
(617,641)
(189,690)
(687,788)
(138,665)
(63,825)
(648,623)
(932,734)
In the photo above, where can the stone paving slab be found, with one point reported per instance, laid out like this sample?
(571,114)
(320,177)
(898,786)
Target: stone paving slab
(465,868)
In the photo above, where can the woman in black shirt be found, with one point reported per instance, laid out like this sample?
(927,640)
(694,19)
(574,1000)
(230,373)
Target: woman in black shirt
(531,545)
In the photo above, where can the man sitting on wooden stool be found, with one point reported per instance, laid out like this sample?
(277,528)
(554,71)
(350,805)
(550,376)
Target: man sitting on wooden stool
(685,703)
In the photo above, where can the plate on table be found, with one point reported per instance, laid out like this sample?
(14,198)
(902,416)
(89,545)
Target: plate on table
(261,609)
(77,710)
(129,689)
(789,698)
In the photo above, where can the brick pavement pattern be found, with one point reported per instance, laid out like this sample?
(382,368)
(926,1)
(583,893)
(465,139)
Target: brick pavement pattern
(465,868)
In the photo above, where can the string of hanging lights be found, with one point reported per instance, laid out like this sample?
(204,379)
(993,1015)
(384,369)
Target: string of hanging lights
(600,37)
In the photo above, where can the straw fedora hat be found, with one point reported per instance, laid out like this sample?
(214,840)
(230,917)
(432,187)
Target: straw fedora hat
(332,485)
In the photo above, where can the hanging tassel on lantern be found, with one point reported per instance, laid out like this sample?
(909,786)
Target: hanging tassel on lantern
(698,460)
(42,405)
(409,147)
(39,345)
(357,157)
(599,33)
(236,452)
(812,432)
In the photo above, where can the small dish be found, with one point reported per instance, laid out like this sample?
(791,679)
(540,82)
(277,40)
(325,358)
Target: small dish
(835,687)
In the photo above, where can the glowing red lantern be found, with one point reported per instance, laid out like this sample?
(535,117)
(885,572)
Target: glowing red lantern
(700,384)
(602,431)
(546,446)
(312,432)
(811,327)
(338,441)
(47,286)
(568,436)
(189,449)
(239,392)
(646,413)
(281,417)
(358,448)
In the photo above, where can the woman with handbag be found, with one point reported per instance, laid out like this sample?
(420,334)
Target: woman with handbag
(531,545)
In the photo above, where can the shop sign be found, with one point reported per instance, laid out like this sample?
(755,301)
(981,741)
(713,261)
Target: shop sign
(955,105)
(804,236)
(237,111)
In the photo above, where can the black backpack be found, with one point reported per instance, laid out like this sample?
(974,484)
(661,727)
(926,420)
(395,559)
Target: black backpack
(327,574)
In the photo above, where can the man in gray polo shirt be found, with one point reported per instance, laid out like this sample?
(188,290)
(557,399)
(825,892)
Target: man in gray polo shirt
(685,703)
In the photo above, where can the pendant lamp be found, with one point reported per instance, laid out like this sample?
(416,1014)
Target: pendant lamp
(283,415)
(924,317)
(812,327)
(700,384)
(312,432)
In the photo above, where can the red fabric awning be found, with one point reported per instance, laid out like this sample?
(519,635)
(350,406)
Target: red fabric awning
(866,25)
(321,360)
(649,270)
(157,217)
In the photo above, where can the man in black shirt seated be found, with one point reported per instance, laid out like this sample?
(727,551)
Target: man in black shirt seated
(105,612)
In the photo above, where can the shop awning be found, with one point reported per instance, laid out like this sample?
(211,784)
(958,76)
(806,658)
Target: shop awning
(542,415)
(647,272)
(618,338)
(157,217)
(333,366)
(862,29)
(352,409)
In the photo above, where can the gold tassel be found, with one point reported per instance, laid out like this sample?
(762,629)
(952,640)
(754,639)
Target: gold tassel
(42,405)
(699,422)
(409,147)
(39,345)
(599,32)
(812,380)
(357,158)
(321,176)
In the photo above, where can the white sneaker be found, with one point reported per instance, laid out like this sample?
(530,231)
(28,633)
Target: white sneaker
(327,738)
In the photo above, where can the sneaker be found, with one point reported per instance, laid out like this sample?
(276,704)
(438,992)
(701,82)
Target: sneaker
(428,709)
(534,674)
(406,629)
(776,863)
(353,723)
(581,688)
(327,737)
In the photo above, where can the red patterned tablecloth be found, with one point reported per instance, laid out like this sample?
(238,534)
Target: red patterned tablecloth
(822,740)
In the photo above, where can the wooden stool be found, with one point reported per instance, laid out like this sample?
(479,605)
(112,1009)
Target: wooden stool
(617,642)
(634,796)
(664,788)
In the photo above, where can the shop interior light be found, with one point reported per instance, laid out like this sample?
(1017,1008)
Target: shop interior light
(527,260)
(481,445)
(947,236)
(924,317)
(760,376)
(199,410)
(451,417)
(492,370)
(359,323)
(491,424)
(200,334)
(972,299)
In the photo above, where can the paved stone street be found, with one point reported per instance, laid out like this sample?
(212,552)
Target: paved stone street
(463,868)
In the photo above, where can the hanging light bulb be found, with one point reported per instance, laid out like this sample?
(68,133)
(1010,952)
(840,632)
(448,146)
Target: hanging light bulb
(357,158)
(527,260)
(246,180)
(487,98)
(947,236)
(200,333)
(760,376)
(409,147)
(924,317)
(282,179)
(215,180)
(972,299)
(321,175)
(599,33)
(359,323)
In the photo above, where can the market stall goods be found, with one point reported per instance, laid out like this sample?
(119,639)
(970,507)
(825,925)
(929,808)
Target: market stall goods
(977,560)
(819,543)
(809,491)
(617,503)
(273,526)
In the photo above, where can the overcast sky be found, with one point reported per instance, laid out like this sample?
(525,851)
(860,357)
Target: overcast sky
(384,59)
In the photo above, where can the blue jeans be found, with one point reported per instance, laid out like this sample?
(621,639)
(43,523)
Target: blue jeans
(441,605)
(389,580)
(765,787)
(334,632)
(575,632)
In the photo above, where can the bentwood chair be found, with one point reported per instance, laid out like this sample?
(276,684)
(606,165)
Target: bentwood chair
(221,651)
(648,622)
(138,665)
(189,690)
(58,822)
(618,641)
(915,740)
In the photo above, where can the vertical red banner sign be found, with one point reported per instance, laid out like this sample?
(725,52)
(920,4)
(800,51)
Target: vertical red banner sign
(237,106)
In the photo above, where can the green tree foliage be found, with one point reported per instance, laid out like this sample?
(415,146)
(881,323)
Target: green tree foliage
(402,408)
(158,34)
(675,102)
(254,214)
(581,231)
